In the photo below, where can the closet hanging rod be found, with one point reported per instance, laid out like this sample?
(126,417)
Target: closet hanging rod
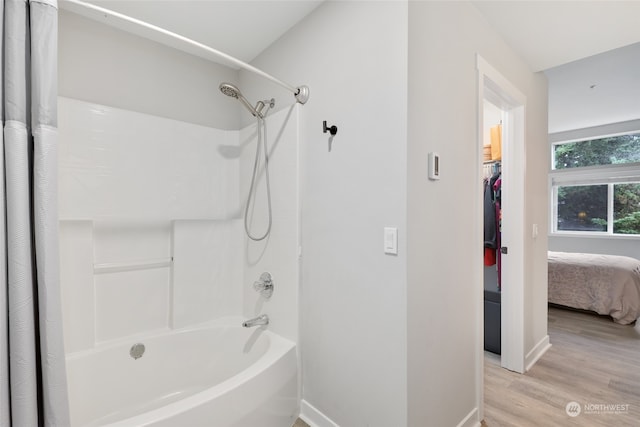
(144,29)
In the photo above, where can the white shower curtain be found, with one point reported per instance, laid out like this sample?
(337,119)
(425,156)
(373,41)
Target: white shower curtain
(33,389)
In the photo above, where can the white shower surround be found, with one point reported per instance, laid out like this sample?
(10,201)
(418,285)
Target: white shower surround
(117,164)
(151,232)
(279,253)
(138,189)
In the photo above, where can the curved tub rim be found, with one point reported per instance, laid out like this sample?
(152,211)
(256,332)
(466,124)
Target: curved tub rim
(278,348)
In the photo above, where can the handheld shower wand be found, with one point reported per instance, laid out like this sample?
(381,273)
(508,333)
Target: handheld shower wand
(259,112)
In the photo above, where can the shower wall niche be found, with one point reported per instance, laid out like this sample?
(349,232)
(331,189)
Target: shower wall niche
(151,231)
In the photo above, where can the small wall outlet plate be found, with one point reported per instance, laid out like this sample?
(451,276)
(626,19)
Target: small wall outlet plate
(434,166)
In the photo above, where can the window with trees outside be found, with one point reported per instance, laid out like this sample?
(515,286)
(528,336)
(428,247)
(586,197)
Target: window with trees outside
(595,186)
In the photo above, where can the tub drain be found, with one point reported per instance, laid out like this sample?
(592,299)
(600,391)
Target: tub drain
(137,350)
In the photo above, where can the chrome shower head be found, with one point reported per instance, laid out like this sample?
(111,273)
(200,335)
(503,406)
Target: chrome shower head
(232,91)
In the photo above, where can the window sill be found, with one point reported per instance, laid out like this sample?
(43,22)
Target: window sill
(595,235)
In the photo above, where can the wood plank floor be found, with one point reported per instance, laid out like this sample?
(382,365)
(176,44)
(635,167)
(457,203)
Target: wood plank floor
(300,423)
(593,361)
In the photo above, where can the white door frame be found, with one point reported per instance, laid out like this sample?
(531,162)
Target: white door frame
(494,87)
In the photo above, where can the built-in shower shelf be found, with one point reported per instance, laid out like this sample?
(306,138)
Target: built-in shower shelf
(116,267)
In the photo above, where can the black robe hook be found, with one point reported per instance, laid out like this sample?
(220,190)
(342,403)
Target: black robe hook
(332,129)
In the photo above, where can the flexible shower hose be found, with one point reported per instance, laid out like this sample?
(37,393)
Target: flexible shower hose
(262,141)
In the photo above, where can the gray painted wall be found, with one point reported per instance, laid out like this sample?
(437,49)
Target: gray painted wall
(352,55)
(625,246)
(444,38)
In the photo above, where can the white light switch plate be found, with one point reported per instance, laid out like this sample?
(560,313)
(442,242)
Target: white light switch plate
(434,166)
(391,240)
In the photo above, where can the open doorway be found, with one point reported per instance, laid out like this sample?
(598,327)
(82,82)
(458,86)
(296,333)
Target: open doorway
(507,103)
(492,141)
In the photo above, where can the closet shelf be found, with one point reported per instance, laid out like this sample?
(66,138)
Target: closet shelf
(117,267)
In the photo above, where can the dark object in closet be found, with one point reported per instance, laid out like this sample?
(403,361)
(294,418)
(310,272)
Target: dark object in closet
(489,217)
(497,198)
(492,319)
(491,222)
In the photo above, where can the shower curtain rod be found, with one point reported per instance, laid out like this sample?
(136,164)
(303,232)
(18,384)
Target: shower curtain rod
(301,93)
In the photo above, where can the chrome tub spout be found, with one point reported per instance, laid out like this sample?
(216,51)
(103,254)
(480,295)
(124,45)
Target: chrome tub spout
(257,321)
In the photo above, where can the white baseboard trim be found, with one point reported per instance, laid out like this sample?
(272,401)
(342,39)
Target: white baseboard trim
(314,417)
(471,420)
(536,353)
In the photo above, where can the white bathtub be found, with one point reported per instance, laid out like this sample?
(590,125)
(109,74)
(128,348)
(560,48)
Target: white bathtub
(215,375)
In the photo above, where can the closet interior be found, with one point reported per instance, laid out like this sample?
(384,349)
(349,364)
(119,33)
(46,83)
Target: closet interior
(492,196)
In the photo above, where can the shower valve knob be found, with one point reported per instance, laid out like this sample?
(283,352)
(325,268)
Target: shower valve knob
(264,285)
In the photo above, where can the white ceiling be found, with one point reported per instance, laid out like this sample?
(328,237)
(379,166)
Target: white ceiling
(594,91)
(545,33)
(550,33)
(241,28)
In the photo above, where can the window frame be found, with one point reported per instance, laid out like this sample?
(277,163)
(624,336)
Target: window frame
(590,175)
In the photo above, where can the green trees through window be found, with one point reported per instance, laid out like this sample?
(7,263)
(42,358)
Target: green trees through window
(626,208)
(596,152)
(586,207)
(582,208)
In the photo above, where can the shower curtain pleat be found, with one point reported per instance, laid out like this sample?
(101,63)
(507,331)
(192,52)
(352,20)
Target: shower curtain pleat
(22,334)
(54,376)
(5,404)
(32,356)
(5,398)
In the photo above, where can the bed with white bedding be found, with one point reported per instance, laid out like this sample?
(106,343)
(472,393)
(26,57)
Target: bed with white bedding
(606,284)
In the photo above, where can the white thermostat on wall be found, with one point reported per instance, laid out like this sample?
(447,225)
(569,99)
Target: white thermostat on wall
(434,166)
